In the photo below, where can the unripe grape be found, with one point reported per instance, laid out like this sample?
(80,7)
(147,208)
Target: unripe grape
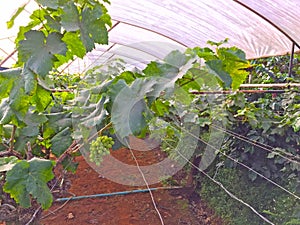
(99,148)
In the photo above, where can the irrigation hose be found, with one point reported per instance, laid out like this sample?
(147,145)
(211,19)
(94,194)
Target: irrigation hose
(115,193)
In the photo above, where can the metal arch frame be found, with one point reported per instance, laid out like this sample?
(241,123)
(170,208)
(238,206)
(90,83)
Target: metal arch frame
(294,43)
(269,21)
(152,31)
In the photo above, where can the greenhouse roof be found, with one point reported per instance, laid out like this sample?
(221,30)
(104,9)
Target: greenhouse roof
(150,29)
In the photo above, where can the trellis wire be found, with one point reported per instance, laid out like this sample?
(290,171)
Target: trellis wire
(147,185)
(244,165)
(257,144)
(226,190)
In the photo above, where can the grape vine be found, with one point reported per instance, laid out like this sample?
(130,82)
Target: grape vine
(38,105)
(35,114)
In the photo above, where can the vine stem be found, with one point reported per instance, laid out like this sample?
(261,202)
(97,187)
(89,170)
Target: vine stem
(12,139)
(34,215)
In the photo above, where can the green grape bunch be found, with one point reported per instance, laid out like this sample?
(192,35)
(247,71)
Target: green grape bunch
(100,148)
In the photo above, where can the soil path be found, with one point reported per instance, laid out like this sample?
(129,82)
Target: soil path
(178,206)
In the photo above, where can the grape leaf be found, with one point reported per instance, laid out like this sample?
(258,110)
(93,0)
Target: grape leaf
(39,52)
(74,44)
(98,114)
(130,102)
(35,119)
(7,78)
(234,63)
(29,178)
(49,3)
(176,59)
(53,23)
(42,98)
(160,108)
(30,80)
(92,28)
(61,141)
(19,102)
(69,164)
(70,18)
(216,67)
(5,112)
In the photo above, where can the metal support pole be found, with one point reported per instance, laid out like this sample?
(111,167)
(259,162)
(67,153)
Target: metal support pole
(291,60)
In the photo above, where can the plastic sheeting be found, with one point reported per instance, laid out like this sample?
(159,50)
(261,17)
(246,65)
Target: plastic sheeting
(193,22)
(149,29)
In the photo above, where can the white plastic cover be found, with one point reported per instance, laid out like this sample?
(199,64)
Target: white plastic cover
(193,22)
(149,29)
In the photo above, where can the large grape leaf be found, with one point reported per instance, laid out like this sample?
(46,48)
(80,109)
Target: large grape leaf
(29,178)
(216,67)
(97,115)
(90,24)
(234,63)
(61,141)
(176,59)
(39,52)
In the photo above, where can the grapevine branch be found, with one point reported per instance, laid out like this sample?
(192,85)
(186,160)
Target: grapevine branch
(12,138)
(10,147)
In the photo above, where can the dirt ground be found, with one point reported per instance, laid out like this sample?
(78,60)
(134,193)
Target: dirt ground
(178,206)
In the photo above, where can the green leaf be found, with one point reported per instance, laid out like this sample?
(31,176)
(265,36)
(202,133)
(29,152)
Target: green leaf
(58,122)
(30,131)
(205,53)
(176,59)
(182,96)
(42,98)
(61,141)
(6,112)
(74,44)
(19,103)
(49,3)
(92,28)
(70,18)
(69,165)
(35,119)
(53,23)
(30,80)
(155,69)
(11,22)
(217,68)
(160,107)
(29,178)
(38,52)
(96,117)
(7,79)
(232,54)
(235,63)
(212,43)
(130,102)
